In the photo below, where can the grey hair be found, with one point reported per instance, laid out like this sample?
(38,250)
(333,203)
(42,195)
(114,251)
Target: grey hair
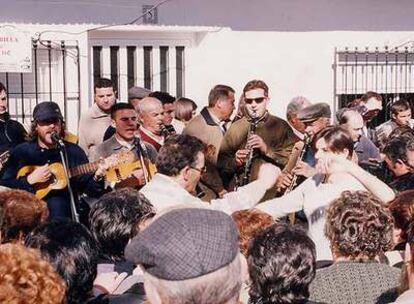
(218,287)
(146,104)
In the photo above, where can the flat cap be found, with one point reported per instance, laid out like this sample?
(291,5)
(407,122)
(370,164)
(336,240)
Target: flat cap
(138,93)
(314,112)
(185,243)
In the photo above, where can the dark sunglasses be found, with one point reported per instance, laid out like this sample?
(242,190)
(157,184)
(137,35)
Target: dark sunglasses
(257,100)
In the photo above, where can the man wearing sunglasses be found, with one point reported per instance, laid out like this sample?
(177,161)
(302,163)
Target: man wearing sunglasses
(12,132)
(271,142)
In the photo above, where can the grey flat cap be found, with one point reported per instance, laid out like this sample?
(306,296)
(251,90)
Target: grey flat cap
(138,93)
(185,243)
(314,112)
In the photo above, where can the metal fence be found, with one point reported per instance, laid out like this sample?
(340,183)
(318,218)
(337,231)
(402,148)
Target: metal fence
(389,72)
(55,77)
(130,63)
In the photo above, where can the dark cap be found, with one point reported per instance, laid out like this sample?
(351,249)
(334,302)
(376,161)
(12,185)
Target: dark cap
(185,243)
(314,112)
(47,110)
(138,93)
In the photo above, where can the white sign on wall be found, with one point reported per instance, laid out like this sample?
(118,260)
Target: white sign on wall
(15,51)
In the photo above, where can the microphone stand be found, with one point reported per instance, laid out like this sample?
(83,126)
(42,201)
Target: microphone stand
(64,157)
(141,149)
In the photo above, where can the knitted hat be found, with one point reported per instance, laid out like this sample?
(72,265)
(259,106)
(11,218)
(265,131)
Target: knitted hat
(185,243)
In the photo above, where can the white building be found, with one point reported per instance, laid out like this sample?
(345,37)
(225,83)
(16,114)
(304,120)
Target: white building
(298,47)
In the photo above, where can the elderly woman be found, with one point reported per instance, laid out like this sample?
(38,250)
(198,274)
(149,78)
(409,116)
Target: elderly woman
(337,173)
(359,228)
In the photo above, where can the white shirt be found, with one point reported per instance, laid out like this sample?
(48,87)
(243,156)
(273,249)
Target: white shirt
(312,196)
(163,193)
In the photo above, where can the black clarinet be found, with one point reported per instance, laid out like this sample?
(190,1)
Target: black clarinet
(249,160)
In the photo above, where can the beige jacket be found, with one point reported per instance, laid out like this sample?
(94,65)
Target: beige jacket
(206,129)
(92,127)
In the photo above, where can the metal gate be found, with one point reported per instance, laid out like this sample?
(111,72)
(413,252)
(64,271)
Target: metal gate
(55,77)
(389,72)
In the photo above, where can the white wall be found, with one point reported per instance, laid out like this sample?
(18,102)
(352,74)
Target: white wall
(291,63)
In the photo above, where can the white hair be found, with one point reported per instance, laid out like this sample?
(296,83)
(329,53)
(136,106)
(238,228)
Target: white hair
(218,287)
(147,104)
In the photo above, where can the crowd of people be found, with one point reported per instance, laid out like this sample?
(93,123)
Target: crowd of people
(154,203)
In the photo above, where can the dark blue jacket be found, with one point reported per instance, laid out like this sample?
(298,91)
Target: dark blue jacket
(12,133)
(29,153)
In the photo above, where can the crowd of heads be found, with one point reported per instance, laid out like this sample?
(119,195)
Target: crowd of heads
(200,255)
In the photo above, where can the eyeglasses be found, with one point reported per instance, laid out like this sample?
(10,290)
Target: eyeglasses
(201,170)
(257,100)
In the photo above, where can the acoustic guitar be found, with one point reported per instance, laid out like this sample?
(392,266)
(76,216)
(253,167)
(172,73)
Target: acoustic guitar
(124,165)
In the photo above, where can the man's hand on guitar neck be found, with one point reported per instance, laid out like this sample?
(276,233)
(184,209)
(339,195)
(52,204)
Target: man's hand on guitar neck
(39,175)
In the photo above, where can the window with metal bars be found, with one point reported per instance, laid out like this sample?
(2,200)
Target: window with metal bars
(131,69)
(389,72)
(97,63)
(148,67)
(114,50)
(180,68)
(164,70)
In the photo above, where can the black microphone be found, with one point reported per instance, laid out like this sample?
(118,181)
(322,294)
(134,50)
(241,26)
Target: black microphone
(57,139)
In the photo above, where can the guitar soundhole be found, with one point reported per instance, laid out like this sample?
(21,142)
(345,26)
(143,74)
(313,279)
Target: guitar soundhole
(118,174)
(53,179)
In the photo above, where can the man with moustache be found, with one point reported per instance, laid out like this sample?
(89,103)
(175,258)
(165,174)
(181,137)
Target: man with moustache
(12,132)
(272,140)
(42,151)
(125,121)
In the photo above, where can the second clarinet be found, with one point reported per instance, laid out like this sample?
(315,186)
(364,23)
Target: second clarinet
(305,148)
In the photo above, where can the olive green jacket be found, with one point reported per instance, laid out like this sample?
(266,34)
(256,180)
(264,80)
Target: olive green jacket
(275,132)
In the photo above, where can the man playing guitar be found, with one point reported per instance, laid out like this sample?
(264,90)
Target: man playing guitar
(43,150)
(124,119)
